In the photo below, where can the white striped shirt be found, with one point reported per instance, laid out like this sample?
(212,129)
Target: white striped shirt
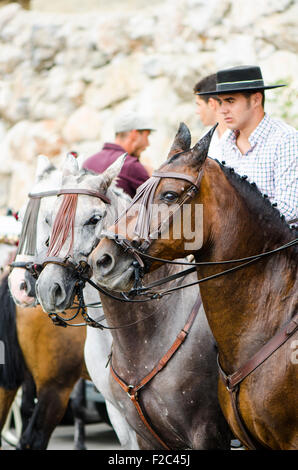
(272,162)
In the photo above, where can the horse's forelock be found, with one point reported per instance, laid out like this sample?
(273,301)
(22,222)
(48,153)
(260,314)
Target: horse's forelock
(63,225)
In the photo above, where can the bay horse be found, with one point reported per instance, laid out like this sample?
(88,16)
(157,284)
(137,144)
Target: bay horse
(172,403)
(251,309)
(66,347)
(33,348)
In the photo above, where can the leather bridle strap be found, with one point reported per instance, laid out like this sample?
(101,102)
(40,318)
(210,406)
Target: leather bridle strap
(182,176)
(132,390)
(233,381)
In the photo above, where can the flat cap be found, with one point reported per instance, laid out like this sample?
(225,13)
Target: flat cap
(132,120)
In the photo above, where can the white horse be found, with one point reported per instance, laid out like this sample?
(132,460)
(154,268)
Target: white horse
(98,343)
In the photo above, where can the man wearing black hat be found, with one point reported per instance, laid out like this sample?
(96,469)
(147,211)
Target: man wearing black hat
(264,149)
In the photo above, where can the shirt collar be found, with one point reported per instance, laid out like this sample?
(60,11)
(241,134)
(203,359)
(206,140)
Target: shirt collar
(111,145)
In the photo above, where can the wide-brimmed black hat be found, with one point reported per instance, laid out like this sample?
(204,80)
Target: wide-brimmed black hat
(239,79)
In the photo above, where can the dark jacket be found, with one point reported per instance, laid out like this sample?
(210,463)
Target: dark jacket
(132,174)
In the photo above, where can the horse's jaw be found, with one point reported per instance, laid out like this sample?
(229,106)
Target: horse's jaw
(112,267)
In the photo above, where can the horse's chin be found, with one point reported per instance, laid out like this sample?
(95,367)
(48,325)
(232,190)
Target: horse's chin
(51,303)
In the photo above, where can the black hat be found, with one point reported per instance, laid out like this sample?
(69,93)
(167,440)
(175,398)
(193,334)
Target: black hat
(239,79)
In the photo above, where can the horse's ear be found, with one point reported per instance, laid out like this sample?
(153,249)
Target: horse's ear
(182,140)
(112,171)
(43,165)
(200,150)
(70,165)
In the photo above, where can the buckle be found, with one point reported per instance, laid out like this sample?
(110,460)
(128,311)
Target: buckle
(130,389)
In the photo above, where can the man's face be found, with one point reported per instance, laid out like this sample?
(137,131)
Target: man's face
(206,111)
(141,142)
(236,110)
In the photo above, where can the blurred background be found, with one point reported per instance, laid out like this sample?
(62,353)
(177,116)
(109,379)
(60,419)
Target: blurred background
(67,68)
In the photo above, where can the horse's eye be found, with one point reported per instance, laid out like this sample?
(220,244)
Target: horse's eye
(94,220)
(169,196)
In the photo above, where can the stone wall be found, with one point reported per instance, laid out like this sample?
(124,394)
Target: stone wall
(65,73)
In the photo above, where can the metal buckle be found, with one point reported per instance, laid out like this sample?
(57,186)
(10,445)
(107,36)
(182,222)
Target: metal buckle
(130,389)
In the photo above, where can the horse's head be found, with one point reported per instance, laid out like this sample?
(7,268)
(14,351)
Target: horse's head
(87,203)
(35,213)
(165,219)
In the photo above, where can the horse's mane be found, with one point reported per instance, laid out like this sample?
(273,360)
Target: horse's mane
(47,172)
(64,221)
(85,172)
(259,201)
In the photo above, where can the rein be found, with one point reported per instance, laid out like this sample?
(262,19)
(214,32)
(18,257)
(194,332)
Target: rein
(232,382)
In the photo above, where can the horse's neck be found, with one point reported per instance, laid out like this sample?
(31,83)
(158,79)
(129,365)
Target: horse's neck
(158,323)
(244,308)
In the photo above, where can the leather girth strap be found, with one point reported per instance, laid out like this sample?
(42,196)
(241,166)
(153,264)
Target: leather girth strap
(132,390)
(232,381)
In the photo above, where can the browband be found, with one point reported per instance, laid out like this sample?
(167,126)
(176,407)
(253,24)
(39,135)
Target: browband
(87,192)
(182,176)
(59,192)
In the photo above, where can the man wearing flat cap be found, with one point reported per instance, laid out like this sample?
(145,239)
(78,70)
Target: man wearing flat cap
(132,132)
(263,148)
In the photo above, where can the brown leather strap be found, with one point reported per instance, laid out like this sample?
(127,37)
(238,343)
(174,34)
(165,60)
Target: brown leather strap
(59,192)
(248,440)
(132,390)
(133,395)
(181,176)
(269,348)
(232,381)
(86,192)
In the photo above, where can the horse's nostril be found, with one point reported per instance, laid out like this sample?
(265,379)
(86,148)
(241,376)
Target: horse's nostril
(56,290)
(23,285)
(104,261)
